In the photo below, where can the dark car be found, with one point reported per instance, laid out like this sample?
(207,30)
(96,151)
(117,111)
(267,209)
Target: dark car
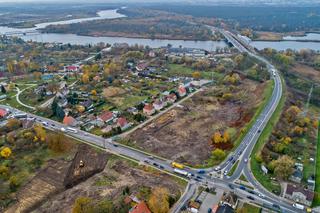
(231,186)
(161,167)
(276,206)
(242,187)
(251,192)
(259,131)
(250,197)
(155,164)
(199,177)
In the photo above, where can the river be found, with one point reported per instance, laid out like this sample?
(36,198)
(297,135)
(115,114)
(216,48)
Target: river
(154,43)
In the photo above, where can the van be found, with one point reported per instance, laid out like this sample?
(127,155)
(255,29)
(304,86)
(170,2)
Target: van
(20,115)
(298,206)
(72,130)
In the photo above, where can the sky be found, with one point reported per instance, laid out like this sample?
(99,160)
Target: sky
(297,2)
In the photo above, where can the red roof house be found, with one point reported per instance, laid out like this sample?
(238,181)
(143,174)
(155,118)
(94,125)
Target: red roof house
(148,109)
(3,113)
(140,208)
(182,91)
(69,121)
(123,123)
(106,116)
(71,68)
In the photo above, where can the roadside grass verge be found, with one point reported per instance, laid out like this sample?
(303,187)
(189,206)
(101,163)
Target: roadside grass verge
(234,167)
(248,208)
(316,199)
(263,179)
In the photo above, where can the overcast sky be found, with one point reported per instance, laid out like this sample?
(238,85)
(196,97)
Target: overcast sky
(186,1)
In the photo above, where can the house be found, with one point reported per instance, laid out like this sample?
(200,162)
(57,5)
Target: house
(311,183)
(224,209)
(158,105)
(171,98)
(148,109)
(141,66)
(230,199)
(69,121)
(71,68)
(152,54)
(140,208)
(133,110)
(106,116)
(182,91)
(123,123)
(3,113)
(299,194)
(296,176)
(107,129)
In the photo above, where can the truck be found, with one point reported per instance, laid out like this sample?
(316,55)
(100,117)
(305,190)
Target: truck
(20,115)
(182,172)
(177,165)
(298,206)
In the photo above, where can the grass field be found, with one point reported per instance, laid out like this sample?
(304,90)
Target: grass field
(316,200)
(234,167)
(247,208)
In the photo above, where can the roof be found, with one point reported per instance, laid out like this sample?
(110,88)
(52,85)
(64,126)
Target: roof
(122,122)
(3,112)
(72,67)
(105,116)
(182,89)
(293,188)
(148,107)
(225,209)
(140,208)
(69,120)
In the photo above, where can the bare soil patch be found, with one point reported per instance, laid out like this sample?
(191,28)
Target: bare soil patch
(307,72)
(184,133)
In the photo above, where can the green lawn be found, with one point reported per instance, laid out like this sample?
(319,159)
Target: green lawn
(234,167)
(181,70)
(264,137)
(247,208)
(316,200)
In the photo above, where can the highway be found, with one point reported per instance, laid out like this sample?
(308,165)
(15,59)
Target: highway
(195,178)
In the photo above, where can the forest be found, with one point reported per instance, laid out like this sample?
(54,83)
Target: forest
(260,18)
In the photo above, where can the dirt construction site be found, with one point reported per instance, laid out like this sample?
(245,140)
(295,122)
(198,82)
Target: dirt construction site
(184,133)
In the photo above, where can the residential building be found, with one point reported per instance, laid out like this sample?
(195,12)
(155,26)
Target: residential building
(299,194)
(296,176)
(106,117)
(158,105)
(3,113)
(224,209)
(123,123)
(140,208)
(69,121)
(230,199)
(171,98)
(148,109)
(71,68)
(182,91)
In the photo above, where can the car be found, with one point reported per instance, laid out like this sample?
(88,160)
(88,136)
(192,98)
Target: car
(276,206)
(201,171)
(85,134)
(217,168)
(231,158)
(146,161)
(251,192)
(53,125)
(44,123)
(161,167)
(115,145)
(250,197)
(259,130)
(245,160)
(234,160)
(150,157)
(242,187)
(261,195)
(155,164)
(63,129)
(231,186)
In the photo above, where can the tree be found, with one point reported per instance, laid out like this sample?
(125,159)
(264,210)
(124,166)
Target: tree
(283,167)
(158,201)
(94,92)
(298,131)
(217,137)
(4,171)
(14,182)
(37,75)
(85,78)
(58,143)
(226,137)
(292,113)
(218,154)
(40,132)
(82,205)
(5,152)
(196,75)
(3,89)
(10,67)
(13,123)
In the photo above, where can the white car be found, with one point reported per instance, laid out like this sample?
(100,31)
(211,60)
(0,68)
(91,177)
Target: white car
(245,160)
(261,195)
(217,168)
